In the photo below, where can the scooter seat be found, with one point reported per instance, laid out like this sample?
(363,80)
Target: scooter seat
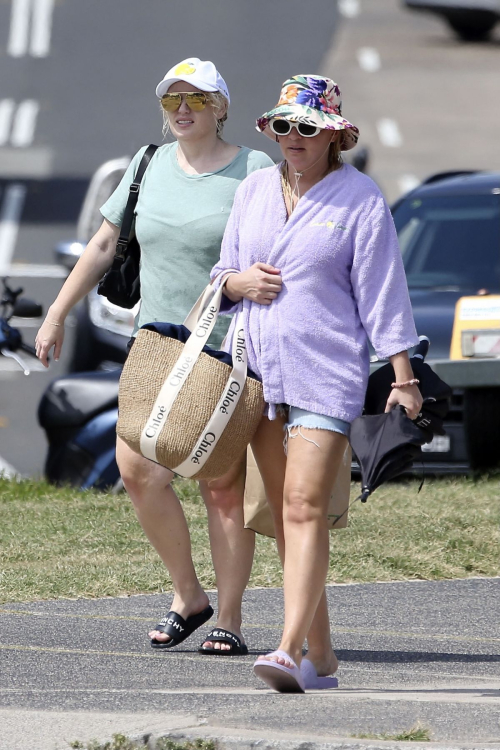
(73,400)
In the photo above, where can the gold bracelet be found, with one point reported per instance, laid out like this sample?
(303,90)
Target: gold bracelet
(51,322)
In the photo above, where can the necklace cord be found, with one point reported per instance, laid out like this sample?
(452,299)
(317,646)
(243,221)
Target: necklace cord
(288,193)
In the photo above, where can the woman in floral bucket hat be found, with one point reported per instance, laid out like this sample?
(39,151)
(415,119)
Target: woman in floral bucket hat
(320,274)
(312,100)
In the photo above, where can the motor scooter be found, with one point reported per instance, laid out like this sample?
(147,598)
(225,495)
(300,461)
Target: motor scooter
(79,413)
(11,340)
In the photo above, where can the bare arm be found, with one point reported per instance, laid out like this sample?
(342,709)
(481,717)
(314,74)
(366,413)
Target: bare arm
(90,268)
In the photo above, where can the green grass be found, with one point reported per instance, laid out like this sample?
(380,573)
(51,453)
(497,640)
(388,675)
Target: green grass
(121,742)
(416,733)
(64,543)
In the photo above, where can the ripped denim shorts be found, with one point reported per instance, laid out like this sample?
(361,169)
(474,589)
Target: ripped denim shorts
(301,418)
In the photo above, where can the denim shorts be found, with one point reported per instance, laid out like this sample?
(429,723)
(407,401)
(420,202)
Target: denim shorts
(308,419)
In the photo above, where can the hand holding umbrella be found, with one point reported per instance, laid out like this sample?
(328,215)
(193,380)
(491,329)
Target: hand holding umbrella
(385,440)
(407,395)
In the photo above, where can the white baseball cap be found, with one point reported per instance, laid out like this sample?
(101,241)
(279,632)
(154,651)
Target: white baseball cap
(200,73)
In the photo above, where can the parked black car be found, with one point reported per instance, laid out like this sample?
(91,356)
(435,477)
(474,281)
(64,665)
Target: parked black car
(449,233)
(471,20)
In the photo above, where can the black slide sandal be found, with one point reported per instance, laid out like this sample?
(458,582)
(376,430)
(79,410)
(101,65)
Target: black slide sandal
(179,628)
(224,636)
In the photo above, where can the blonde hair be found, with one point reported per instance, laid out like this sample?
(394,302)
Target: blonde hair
(217,101)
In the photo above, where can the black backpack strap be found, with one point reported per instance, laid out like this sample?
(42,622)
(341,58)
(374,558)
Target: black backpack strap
(133,196)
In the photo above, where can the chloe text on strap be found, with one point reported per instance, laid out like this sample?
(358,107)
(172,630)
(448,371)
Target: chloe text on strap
(201,321)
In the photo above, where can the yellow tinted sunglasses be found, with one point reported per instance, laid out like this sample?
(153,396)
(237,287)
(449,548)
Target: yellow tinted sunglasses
(194,99)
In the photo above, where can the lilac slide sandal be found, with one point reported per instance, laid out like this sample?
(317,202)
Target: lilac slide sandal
(277,676)
(311,679)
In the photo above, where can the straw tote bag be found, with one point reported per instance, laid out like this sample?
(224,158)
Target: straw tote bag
(186,406)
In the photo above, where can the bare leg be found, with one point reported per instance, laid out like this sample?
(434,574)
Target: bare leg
(162,518)
(231,544)
(301,527)
(320,650)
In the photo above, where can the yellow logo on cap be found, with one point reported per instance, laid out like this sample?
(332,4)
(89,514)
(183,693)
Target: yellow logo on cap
(184,69)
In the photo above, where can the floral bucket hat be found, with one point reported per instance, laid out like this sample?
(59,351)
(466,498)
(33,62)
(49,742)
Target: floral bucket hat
(313,100)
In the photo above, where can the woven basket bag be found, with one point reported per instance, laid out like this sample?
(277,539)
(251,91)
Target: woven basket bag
(183,408)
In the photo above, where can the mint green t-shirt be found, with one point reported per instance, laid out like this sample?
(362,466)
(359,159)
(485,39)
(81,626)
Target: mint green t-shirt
(180,221)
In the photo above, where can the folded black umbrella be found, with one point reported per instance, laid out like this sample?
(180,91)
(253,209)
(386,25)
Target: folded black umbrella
(435,392)
(386,445)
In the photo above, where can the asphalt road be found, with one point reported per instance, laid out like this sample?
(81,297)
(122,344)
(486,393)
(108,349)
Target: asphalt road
(409,652)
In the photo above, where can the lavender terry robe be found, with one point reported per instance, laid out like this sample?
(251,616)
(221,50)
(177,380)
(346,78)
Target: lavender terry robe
(343,281)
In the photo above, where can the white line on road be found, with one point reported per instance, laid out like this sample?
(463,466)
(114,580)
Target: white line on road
(16,322)
(35,271)
(349,8)
(7,107)
(369,59)
(388,132)
(408,182)
(43,11)
(40,12)
(23,129)
(17,45)
(10,215)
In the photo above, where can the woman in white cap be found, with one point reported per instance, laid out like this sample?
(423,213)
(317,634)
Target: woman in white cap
(333,279)
(184,202)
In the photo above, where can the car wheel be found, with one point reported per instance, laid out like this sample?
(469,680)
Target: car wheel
(472,27)
(482,427)
(84,355)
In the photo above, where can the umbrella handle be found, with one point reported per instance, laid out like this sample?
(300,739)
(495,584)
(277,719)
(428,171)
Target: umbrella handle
(422,348)
(365,494)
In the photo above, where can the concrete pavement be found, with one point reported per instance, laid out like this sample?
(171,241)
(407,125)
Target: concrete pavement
(425,652)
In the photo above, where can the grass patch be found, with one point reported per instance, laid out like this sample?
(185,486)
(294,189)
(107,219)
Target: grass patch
(417,733)
(63,543)
(121,742)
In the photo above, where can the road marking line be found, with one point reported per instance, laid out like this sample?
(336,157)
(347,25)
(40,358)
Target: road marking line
(40,12)
(447,694)
(7,107)
(10,215)
(26,323)
(43,11)
(23,129)
(388,132)
(369,59)
(95,652)
(349,8)
(264,626)
(36,271)
(408,182)
(17,45)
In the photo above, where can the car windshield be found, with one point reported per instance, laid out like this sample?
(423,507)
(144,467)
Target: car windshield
(450,242)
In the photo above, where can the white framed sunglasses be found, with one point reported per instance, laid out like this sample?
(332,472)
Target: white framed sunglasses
(284,127)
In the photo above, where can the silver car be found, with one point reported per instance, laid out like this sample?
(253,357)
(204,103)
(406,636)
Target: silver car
(102,329)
